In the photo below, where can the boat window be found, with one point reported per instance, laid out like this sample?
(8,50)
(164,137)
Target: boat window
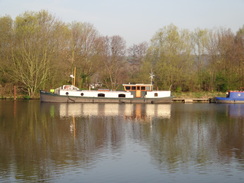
(101,95)
(82,94)
(67,87)
(133,88)
(127,87)
(155,94)
(148,88)
(67,93)
(121,95)
(143,88)
(138,87)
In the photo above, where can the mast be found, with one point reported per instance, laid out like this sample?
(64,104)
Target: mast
(73,76)
(151,77)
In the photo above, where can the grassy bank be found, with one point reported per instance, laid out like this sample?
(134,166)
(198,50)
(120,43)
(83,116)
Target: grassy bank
(198,94)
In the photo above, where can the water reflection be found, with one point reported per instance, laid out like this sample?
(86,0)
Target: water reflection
(130,111)
(235,110)
(54,142)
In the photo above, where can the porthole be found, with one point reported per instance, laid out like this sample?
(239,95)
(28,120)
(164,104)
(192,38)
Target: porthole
(121,95)
(67,93)
(82,94)
(101,95)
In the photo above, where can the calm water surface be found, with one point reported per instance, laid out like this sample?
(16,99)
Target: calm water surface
(120,143)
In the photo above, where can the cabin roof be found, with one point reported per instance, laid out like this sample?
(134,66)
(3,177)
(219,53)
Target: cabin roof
(137,84)
(236,91)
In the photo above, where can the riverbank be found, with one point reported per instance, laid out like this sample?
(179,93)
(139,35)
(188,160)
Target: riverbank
(192,97)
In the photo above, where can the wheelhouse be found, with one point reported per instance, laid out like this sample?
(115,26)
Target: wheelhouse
(138,87)
(138,90)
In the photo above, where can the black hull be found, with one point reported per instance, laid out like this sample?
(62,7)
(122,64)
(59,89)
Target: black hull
(54,98)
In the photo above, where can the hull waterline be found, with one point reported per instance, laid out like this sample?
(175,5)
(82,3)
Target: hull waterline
(222,100)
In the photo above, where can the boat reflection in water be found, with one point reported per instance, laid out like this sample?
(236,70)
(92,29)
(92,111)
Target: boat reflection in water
(133,111)
(235,110)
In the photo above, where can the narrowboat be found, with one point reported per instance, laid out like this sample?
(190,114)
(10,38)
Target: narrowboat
(133,93)
(232,97)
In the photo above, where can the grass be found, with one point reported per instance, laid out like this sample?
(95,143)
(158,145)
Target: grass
(198,94)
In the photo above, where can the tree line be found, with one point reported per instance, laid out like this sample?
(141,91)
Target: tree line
(39,51)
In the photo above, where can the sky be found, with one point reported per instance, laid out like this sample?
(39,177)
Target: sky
(136,21)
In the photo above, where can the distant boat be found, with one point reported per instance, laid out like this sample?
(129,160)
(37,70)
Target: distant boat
(232,97)
(133,93)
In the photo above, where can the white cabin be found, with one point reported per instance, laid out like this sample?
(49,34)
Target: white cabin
(130,91)
(70,90)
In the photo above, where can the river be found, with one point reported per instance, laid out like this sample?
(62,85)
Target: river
(136,143)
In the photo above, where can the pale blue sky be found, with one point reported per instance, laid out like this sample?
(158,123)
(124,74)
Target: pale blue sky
(136,20)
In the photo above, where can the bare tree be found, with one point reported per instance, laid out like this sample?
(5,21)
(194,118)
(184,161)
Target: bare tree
(200,41)
(113,63)
(84,48)
(136,55)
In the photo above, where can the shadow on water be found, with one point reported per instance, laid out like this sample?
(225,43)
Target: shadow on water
(45,141)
